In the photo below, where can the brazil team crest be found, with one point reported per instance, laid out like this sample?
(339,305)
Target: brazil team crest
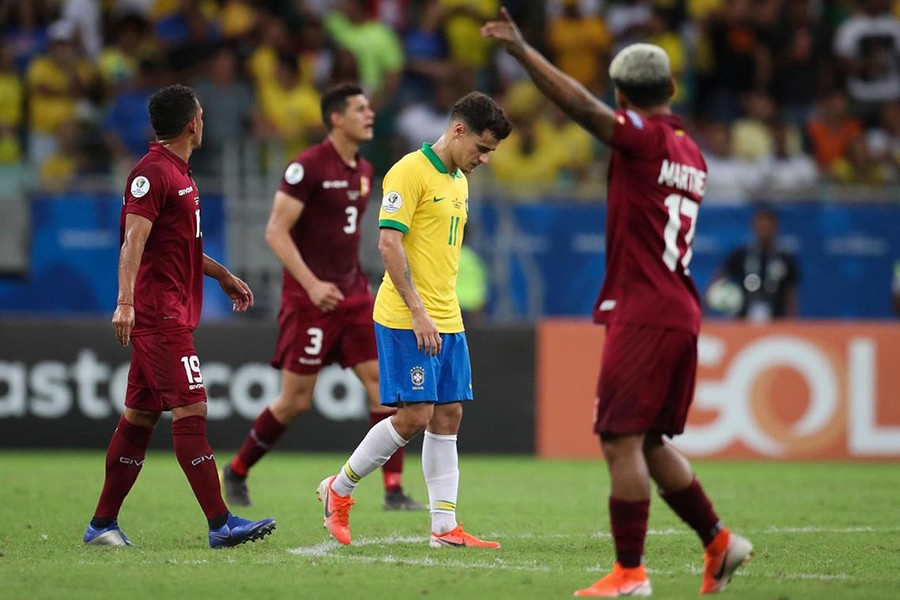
(417,375)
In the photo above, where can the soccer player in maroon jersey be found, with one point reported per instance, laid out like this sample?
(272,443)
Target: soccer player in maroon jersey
(161,269)
(648,302)
(326,304)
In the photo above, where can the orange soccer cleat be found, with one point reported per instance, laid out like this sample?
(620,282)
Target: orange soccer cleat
(337,511)
(621,581)
(723,556)
(457,538)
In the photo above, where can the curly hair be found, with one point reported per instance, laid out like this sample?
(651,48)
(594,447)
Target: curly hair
(479,112)
(171,109)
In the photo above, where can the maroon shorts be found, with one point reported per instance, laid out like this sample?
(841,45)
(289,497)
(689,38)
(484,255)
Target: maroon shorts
(646,380)
(165,371)
(309,338)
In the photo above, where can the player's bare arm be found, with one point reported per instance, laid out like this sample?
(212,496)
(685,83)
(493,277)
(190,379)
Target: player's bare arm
(286,211)
(591,113)
(137,230)
(390,244)
(237,289)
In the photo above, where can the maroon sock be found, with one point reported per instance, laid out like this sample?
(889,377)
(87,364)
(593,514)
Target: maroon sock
(265,432)
(198,463)
(392,470)
(695,509)
(124,459)
(629,528)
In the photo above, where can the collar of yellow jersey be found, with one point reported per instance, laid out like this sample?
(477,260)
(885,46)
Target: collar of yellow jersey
(436,161)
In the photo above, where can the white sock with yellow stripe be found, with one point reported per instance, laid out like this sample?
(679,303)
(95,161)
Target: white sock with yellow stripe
(376,448)
(440,464)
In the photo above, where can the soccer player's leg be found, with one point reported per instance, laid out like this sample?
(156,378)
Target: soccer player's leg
(678,486)
(629,508)
(305,337)
(295,398)
(375,449)
(628,398)
(126,452)
(403,372)
(440,460)
(124,460)
(392,470)
(724,550)
(181,390)
(358,350)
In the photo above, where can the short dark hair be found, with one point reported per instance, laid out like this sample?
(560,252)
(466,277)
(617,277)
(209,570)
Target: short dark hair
(334,100)
(171,109)
(648,95)
(480,113)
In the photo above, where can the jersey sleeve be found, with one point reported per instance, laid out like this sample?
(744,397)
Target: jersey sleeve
(402,191)
(636,136)
(299,179)
(146,192)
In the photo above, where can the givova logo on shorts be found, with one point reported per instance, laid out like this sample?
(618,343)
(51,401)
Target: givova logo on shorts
(417,375)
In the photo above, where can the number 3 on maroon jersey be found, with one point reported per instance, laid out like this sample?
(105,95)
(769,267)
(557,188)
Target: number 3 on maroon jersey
(679,207)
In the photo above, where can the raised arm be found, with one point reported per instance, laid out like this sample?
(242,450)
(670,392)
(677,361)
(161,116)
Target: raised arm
(137,230)
(390,245)
(591,113)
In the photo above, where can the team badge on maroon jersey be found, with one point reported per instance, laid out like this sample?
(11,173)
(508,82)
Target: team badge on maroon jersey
(140,186)
(364,186)
(294,173)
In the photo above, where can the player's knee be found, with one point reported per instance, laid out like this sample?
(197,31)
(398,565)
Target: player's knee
(142,418)
(618,446)
(412,419)
(446,418)
(290,405)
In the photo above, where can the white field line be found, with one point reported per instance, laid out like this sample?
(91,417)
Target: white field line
(329,549)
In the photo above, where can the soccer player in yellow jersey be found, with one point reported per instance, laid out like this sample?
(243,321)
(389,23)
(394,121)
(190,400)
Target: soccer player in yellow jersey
(423,357)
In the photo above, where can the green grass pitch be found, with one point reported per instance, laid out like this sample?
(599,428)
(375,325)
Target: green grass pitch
(820,531)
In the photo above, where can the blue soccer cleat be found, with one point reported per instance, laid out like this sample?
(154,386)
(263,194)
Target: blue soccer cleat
(236,531)
(110,535)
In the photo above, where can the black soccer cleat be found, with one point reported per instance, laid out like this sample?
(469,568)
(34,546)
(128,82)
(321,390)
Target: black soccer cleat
(236,492)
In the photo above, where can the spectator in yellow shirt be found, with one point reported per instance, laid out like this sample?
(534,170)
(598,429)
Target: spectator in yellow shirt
(462,28)
(580,45)
(532,160)
(11,97)
(290,108)
(56,82)
(59,170)
(119,62)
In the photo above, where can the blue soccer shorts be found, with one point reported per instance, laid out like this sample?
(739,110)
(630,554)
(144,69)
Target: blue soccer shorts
(409,375)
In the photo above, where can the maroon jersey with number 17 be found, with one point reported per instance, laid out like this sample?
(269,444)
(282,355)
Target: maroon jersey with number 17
(327,234)
(168,291)
(657,178)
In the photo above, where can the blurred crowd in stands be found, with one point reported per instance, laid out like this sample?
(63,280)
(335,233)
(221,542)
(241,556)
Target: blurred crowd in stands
(783,94)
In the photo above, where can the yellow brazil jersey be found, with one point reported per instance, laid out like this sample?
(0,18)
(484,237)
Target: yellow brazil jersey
(430,206)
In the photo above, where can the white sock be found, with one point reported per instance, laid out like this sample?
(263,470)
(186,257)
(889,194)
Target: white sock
(440,463)
(376,448)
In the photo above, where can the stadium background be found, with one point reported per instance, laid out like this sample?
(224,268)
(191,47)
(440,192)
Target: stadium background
(795,102)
